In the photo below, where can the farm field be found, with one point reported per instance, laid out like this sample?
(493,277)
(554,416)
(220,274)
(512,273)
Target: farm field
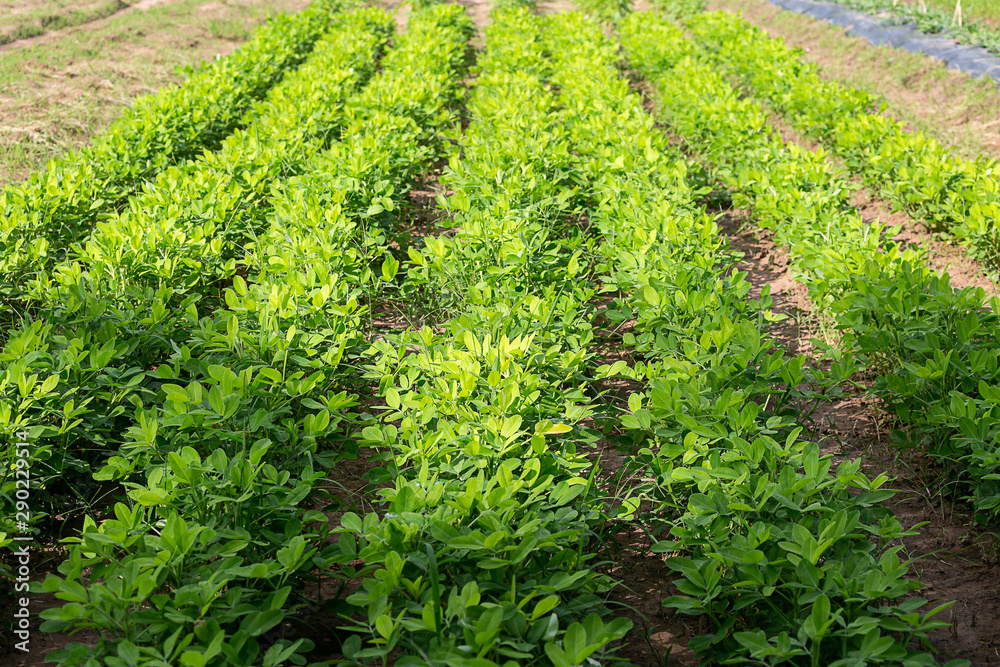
(934,10)
(950,106)
(446,334)
(983,10)
(63,88)
(965,22)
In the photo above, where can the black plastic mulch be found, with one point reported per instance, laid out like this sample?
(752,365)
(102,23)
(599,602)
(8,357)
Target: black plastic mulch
(974,60)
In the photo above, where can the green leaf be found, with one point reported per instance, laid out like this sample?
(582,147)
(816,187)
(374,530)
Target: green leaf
(392,398)
(575,643)
(557,656)
(351,522)
(544,606)
(373,433)
(149,497)
(385,626)
(650,295)
(820,615)
(192,659)
(257,623)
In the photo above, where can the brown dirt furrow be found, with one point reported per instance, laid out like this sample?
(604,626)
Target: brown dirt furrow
(659,636)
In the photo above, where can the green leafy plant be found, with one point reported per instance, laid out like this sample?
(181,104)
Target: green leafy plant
(915,172)
(790,561)
(55,208)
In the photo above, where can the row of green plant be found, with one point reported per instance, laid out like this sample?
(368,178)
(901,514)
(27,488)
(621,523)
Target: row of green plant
(607,11)
(222,403)
(500,569)
(480,552)
(931,345)
(40,218)
(790,560)
(913,171)
(241,411)
(212,220)
(74,370)
(521,289)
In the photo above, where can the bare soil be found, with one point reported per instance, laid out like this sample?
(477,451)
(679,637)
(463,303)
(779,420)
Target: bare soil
(555,6)
(479,12)
(45,558)
(659,636)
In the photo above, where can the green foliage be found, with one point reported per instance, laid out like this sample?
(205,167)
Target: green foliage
(607,11)
(913,171)
(73,380)
(679,10)
(790,560)
(499,6)
(186,229)
(929,343)
(183,594)
(213,351)
(935,20)
(233,417)
(936,346)
(42,217)
(480,553)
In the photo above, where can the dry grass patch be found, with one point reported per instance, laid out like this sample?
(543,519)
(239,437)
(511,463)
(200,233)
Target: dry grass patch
(59,90)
